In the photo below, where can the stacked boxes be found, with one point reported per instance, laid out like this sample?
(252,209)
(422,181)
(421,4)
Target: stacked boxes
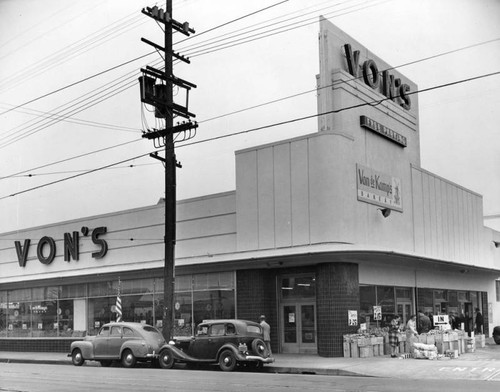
(356,346)
(480,341)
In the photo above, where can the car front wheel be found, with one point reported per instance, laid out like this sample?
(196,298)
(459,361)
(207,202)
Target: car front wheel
(166,360)
(128,359)
(77,357)
(227,361)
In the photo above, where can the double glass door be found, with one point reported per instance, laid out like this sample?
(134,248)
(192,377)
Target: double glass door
(299,328)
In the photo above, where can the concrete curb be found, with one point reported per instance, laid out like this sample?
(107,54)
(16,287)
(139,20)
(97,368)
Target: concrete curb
(265,369)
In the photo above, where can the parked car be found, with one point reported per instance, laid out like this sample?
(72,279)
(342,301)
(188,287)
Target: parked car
(125,342)
(228,343)
(496,334)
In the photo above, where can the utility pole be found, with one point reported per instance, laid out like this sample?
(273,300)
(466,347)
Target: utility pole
(157,90)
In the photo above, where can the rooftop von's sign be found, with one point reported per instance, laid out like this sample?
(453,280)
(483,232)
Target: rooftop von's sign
(378,188)
(46,248)
(385,83)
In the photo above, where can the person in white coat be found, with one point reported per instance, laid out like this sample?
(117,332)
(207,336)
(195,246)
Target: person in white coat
(267,332)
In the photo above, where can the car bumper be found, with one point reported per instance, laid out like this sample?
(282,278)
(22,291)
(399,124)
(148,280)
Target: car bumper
(259,359)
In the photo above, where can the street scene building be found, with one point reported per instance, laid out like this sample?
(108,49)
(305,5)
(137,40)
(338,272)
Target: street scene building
(319,230)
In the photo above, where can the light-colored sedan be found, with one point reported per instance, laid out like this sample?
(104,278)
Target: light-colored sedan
(125,342)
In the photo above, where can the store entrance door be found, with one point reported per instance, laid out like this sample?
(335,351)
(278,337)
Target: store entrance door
(299,328)
(404,310)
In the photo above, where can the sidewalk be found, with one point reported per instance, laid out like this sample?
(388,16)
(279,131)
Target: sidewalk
(483,364)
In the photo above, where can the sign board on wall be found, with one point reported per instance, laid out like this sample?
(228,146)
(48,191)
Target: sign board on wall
(378,188)
(353,317)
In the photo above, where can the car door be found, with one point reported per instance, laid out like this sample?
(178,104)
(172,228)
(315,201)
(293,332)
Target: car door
(216,339)
(115,341)
(101,342)
(199,346)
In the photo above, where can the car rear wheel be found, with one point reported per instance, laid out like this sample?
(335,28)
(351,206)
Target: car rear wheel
(77,357)
(227,361)
(166,359)
(128,359)
(260,348)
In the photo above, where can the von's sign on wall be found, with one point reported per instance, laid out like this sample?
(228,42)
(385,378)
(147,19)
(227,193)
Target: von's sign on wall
(46,248)
(378,188)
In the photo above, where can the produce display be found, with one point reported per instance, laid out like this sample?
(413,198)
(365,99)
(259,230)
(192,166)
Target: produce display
(435,344)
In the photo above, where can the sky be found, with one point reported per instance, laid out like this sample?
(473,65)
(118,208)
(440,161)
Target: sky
(70,103)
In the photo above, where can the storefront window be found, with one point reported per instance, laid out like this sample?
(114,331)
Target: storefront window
(72,310)
(74,291)
(199,297)
(183,308)
(3,313)
(367,299)
(100,313)
(391,300)
(385,299)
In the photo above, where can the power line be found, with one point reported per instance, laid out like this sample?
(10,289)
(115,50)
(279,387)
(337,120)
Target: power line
(80,121)
(30,175)
(17,138)
(78,82)
(337,83)
(69,159)
(130,61)
(292,96)
(372,103)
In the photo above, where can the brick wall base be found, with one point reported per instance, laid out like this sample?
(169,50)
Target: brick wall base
(337,292)
(37,345)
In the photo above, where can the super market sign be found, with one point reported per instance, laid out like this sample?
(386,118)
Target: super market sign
(378,188)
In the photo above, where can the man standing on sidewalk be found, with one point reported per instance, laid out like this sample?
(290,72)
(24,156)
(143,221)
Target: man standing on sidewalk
(267,333)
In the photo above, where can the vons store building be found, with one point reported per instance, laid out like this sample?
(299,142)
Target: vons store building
(339,220)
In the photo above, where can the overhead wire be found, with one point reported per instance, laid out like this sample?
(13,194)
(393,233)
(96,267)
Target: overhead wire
(297,119)
(295,95)
(45,95)
(76,48)
(73,120)
(274,23)
(323,87)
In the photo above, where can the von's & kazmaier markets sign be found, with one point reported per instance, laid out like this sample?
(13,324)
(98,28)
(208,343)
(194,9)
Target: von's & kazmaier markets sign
(378,188)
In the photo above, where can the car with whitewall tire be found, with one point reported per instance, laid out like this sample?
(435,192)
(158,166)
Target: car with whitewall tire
(228,343)
(126,342)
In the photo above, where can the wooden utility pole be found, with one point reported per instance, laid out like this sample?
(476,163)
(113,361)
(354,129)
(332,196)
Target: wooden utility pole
(157,90)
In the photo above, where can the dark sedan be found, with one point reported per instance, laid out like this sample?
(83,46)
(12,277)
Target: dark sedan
(228,343)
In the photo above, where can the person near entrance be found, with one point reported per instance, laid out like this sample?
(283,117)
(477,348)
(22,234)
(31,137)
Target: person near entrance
(267,333)
(479,321)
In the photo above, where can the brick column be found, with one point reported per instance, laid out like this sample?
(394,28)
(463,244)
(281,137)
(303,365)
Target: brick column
(337,291)
(484,311)
(256,295)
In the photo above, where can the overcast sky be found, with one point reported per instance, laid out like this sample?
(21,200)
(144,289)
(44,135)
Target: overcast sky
(270,56)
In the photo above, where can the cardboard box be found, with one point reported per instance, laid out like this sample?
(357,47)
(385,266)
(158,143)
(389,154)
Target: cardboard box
(354,349)
(366,352)
(347,350)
